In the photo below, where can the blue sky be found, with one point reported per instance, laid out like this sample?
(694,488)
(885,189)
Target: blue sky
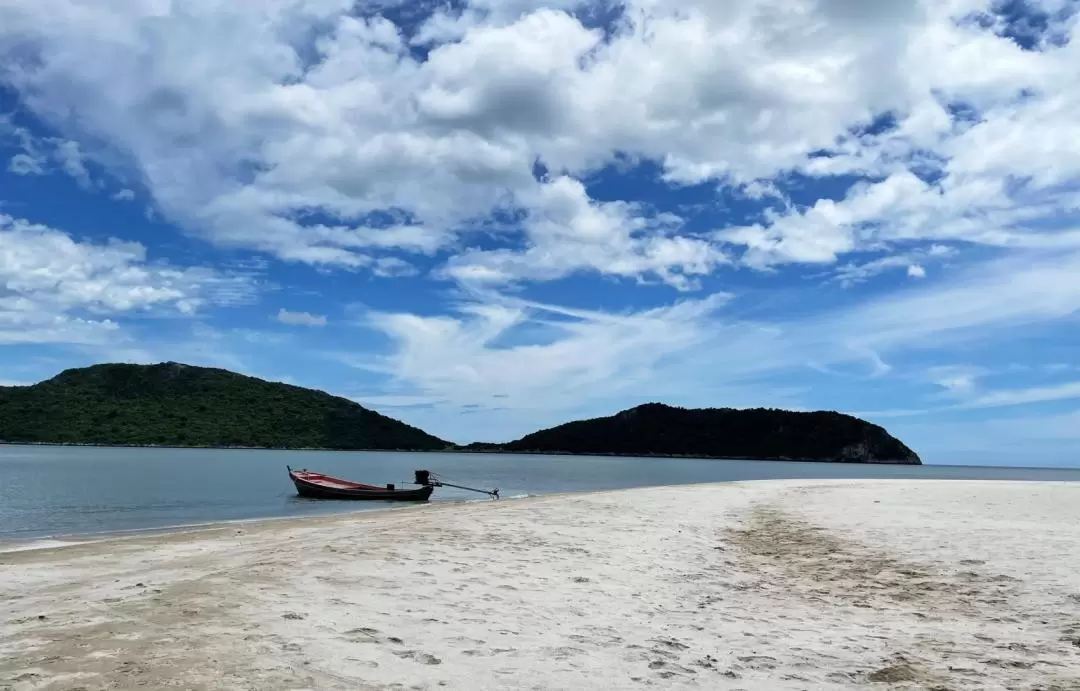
(488,217)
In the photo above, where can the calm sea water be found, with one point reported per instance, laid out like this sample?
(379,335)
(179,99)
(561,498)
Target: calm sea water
(62,491)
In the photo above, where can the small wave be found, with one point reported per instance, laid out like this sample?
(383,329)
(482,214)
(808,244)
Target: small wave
(35,544)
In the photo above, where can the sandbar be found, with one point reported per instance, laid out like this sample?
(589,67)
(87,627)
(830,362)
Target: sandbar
(823,584)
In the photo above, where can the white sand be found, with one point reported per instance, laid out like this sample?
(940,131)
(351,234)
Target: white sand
(767,585)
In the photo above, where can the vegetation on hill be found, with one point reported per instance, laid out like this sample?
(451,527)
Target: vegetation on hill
(172,404)
(657,429)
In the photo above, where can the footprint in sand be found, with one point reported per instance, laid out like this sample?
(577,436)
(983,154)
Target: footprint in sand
(369,635)
(669,669)
(671,643)
(563,652)
(422,658)
(894,674)
(465,639)
(758,661)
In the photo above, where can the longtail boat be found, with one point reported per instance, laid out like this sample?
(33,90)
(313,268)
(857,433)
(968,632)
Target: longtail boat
(321,486)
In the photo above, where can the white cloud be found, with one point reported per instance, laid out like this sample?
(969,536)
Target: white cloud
(1036,394)
(25,164)
(70,158)
(532,355)
(956,380)
(54,288)
(300,318)
(297,106)
(567,232)
(38,152)
(17,327)
(1024,289)
(852,273)
(542,357)
(393,267)
(977,198)
(124,195)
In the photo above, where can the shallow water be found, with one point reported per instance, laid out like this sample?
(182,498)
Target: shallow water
(50,491)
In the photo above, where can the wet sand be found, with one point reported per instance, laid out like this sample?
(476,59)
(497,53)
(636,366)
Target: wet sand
(758,585)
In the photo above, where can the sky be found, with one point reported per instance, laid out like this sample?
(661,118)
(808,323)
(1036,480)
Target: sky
(485,217)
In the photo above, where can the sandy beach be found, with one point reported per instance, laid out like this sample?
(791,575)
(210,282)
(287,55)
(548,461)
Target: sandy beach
(760,585)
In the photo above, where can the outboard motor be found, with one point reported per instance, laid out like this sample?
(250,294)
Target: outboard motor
(423,477)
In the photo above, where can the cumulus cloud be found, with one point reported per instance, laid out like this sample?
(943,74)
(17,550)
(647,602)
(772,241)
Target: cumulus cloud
(567,232)
(300,318)
(55,288)
(300,106)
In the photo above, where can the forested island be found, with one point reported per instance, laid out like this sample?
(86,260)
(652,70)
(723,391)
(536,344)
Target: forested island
(655,429)
(173,404)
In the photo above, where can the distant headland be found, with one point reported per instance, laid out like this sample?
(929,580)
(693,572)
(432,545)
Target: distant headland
(177,405)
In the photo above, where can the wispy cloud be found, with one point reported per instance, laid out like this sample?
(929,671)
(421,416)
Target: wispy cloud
(536,355)
(956,380)
(24,164)
(300,318)
(1014,397)
(40,154)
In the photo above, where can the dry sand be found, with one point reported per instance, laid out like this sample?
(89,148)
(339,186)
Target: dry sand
(764,585)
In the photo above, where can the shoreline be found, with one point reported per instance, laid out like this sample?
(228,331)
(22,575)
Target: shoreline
(778,584)
(460,450)
(9,544)
(16,544)
(540,453)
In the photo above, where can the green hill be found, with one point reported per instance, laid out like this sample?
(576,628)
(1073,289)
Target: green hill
(172,404)
(662,430)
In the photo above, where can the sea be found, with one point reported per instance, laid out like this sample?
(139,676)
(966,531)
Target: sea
(49,493)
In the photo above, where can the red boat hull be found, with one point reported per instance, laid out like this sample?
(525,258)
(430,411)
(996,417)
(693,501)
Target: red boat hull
(319,486)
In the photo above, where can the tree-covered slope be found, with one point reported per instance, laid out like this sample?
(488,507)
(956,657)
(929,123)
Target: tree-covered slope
(657,429)
(180,405)
(172,404)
